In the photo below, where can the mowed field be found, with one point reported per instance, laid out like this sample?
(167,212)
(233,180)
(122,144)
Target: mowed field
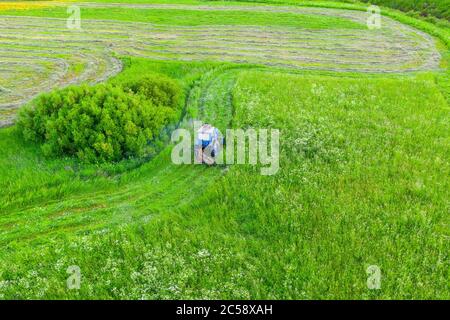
(364,156)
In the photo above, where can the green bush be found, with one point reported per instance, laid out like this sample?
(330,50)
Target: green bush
(100,123)
(159,89)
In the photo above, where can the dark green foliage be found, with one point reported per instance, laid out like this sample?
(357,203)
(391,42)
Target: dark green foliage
(100,123)
(435,8)
(159,89)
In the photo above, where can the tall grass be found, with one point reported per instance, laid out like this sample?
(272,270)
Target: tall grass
(361,183)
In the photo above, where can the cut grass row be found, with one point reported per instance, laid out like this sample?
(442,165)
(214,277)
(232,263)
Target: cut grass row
(179,17)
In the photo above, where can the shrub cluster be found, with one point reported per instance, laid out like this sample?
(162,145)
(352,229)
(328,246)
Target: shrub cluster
(104,122)
(437,8)
(160,91)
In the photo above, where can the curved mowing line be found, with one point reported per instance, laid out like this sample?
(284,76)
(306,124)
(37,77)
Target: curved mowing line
(47,45)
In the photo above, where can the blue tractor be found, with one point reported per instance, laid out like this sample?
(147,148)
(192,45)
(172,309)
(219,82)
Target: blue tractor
(208,144)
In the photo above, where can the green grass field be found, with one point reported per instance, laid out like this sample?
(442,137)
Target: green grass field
(364,157)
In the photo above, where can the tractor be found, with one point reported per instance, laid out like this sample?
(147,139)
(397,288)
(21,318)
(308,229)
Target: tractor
(208,144)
